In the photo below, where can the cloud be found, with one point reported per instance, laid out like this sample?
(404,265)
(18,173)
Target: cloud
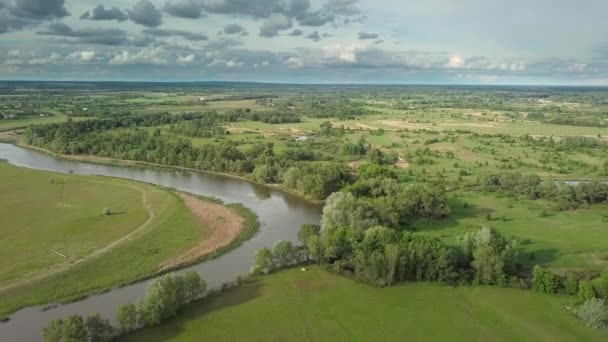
(367,35)
(151,55)
(90,36)
(82,56)
(156,32)
(100,13)
(234,29)
(299,10)
(189,59)
(314,36)
(274,24)
(296,33)
(223,43)
(145,13)
(39,9)
(189,9)
(256,9)
(9,23)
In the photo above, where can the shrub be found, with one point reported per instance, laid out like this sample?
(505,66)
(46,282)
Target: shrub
(593,312)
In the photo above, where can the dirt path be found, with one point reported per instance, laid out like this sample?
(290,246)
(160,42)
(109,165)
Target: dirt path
(225,225)
(54,270)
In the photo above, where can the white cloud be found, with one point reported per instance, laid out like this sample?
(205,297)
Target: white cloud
(84,56)
(151,55)
(186,59)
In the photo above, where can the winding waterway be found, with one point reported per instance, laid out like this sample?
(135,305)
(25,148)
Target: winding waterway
(280,215)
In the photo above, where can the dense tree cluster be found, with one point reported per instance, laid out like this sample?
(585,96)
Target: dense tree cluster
(295,167)
(383,256)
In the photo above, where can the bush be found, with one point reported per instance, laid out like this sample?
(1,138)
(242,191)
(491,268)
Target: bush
(593,312)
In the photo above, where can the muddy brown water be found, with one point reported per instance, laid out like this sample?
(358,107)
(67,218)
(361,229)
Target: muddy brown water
(280,216)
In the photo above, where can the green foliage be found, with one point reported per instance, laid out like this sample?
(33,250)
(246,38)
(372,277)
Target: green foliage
(571,284)
(126,316)
(162,299)
(284,253)
(194,286)
(593,312)
(70,329)
(264,260)
(585,290)
(543,280)
(98,329)
(492,256)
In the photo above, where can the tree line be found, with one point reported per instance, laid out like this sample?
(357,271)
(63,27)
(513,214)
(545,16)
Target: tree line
(163,299)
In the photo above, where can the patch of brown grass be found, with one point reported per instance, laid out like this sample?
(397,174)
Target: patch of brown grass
(225,225)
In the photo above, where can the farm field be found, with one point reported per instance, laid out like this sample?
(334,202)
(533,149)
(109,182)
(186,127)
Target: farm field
(319,306)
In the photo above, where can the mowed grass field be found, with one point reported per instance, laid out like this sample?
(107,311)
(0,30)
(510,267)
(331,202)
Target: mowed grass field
(67,216)
(50,220)
(318,306)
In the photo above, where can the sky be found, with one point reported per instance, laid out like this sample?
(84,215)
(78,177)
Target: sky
(548,42)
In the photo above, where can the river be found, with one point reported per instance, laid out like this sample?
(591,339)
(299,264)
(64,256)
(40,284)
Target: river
(280,216)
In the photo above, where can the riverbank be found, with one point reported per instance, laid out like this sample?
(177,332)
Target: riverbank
(172,231)
(139,164)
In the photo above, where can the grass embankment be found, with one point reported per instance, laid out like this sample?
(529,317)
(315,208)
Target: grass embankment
(319,306)
(173,231)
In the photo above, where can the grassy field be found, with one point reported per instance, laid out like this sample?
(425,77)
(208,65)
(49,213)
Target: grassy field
(72,207)
(560,240)
(318,306)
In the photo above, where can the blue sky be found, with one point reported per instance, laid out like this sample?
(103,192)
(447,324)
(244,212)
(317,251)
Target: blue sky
(307,41)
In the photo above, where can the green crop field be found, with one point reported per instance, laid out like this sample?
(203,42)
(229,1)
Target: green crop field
(319,306)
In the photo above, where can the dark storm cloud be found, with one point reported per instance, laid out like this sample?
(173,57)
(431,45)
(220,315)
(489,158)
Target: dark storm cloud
(296,33)
(160,33)
(234,29)
(299,10)
(87,36)
(314,36)
(145,13)
(274,24)
(9,23)
(39,9)
(367,35)
(101,13)
(189,9)
(257,9)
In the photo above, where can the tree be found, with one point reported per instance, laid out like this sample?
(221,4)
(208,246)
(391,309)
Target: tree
(98,329)
(306,231)
(314,245)
(127,317)
(70,329)
(264,261)
(162,299)
(585,290)
(284,253)
(195,286)
(345,210)
(53,332)
(571,284)
(493,256)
